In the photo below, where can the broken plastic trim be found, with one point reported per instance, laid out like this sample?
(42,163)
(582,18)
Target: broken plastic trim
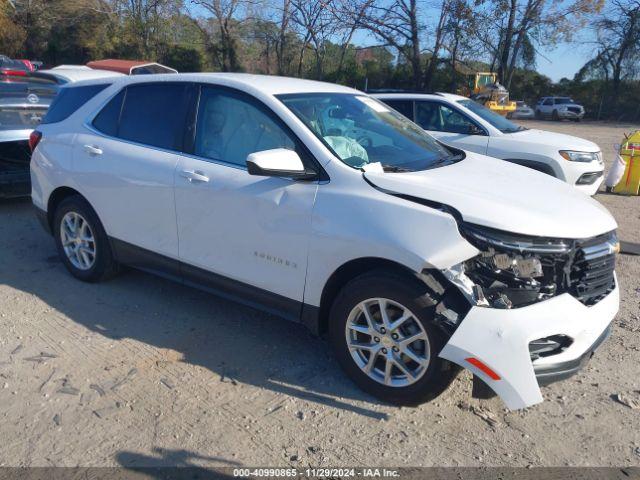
(457,276)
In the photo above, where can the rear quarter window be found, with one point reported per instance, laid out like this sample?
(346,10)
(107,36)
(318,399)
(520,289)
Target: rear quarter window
(69,100)
(107,120)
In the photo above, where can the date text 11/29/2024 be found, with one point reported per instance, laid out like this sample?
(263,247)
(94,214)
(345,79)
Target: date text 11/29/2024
(316,472)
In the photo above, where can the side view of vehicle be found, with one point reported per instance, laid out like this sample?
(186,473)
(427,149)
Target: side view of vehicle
(325,206)
(559,108)
(463,123)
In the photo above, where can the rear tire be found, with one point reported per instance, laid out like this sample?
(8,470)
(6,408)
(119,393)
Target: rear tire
(82,243)
(409,381)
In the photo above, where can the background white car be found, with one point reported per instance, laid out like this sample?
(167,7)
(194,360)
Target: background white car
(463,123)
(75,73)
(522,111)
(559,108)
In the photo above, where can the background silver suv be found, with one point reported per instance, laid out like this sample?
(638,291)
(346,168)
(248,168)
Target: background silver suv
(559,108)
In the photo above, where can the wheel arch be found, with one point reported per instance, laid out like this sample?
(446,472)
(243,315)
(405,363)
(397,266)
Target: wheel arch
(317,318)
(534,165)
(56,197)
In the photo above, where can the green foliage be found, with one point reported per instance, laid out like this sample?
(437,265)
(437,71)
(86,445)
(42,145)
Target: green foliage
(296,38)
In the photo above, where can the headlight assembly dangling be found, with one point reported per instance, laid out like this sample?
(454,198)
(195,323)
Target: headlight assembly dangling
(510,271)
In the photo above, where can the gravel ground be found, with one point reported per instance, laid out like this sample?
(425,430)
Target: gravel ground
(141,371)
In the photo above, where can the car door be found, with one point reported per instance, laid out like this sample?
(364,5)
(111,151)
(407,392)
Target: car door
(240,233)
(125,162)
(451,126)
(547,107)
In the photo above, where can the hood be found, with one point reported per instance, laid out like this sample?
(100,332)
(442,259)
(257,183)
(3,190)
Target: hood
(505,196)
(556,140)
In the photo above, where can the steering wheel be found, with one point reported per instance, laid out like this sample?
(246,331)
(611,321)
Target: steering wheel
(365,141)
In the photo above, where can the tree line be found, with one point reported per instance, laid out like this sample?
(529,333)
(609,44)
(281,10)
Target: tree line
(426,45)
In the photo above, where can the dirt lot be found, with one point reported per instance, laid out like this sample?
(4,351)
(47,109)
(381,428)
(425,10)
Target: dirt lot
(141,371)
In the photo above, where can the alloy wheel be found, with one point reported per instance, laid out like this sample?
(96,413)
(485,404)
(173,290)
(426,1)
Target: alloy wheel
(78,240)
(387,342)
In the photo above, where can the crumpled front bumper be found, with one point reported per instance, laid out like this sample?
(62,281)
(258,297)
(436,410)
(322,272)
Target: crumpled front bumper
(499,339)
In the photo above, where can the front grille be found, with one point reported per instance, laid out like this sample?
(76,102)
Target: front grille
(591,277)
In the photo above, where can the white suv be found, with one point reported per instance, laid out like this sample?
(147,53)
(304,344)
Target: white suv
(321,204)
(466,124)
(559,108)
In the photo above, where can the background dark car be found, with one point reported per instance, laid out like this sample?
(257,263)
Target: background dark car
(24,100)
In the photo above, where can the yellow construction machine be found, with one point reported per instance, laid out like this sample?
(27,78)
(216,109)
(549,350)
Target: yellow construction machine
(483,87)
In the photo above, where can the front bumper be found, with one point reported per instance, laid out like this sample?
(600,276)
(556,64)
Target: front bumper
(585,176)
(554,372)
(500,340)
(567,114)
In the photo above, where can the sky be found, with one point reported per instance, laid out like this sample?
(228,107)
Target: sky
(563,61)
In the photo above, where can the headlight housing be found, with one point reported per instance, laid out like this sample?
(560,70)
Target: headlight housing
(513,270)
(574,156)
(517,270)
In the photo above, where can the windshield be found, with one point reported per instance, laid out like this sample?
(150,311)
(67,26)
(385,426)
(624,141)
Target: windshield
(360,130)
(498,121)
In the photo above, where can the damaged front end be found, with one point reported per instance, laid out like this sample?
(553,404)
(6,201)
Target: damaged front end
(514,271)
(535,303)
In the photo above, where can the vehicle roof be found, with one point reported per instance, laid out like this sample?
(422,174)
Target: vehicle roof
(269,84)
(76,74)
(412,96)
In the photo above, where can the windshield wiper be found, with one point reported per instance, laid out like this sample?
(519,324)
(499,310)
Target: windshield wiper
(514,130)
(394,168)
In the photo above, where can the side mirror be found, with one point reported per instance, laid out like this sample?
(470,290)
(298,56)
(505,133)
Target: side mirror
(278,162)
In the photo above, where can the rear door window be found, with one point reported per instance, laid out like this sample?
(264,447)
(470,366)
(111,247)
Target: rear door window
(155,114)
(69,100)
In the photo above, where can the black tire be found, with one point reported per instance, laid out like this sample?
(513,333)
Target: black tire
(554,116)
(538,115)
(417,297)
(577,120)
(104,266)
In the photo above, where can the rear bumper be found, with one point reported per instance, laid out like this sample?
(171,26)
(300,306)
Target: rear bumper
(14,183)
(15,179)
(500,340)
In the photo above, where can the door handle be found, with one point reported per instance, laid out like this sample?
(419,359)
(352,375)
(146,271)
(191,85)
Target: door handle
(194,176)
(91,150)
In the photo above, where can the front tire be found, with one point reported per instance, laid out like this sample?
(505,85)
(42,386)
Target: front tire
(83,245)
(555,116)
(384,336)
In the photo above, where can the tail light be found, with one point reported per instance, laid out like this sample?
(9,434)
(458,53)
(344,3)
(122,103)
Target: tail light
(14,73)
(34,139)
